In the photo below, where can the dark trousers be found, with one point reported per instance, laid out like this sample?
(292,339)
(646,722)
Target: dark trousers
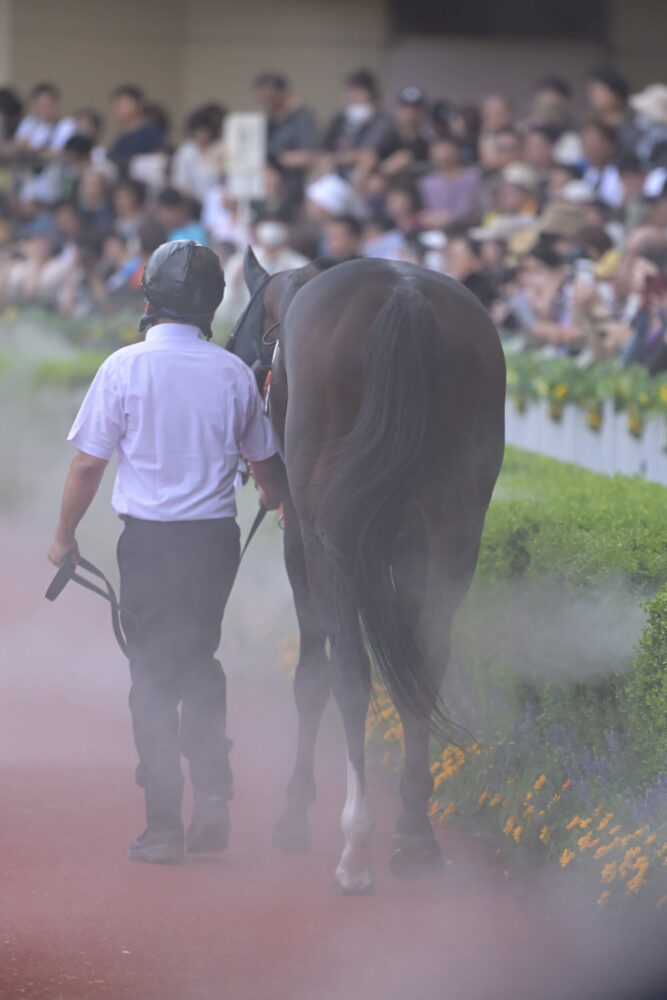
(175,579)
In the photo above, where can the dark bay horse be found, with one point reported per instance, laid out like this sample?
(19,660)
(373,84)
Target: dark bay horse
(387,399)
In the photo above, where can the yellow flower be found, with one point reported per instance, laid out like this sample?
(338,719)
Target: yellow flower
(651,838)
(663,393)
(510,781)
(635,884)
(609,872)
(605,822)
(566,857)
(566,784)
(509,825)
(615,830)
(528,812)
(516,833)
(495,800)
(544,835)
(604,898)
(573,822)
(601,851)
(483,797)
(663,899)
(560,391)
(586,841)
(597,811)
(540,782)
(583,823)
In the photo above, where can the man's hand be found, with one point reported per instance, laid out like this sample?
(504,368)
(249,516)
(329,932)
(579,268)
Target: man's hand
(59,552)
(270,480)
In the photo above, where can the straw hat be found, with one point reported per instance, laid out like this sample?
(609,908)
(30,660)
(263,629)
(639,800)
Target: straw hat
(562,220)
(652,103)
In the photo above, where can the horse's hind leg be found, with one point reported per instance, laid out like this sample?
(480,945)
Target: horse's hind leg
(451,563)
(351,687)
(311,692)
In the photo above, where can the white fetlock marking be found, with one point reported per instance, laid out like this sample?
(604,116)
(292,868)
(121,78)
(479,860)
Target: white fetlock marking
(353,873)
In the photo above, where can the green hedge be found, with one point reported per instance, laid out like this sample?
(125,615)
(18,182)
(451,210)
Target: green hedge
(548,630)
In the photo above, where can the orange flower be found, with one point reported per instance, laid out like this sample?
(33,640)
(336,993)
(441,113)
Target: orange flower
(566,857)
(604,898)
(566,784)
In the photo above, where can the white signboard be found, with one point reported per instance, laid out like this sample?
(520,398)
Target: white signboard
(245,152)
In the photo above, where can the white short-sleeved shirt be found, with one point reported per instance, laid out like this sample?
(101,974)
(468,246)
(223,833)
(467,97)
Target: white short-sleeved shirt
(180,412)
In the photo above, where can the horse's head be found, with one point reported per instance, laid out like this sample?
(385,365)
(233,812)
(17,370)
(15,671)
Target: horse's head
(246,339)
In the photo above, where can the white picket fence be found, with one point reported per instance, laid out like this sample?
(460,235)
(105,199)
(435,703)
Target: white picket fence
(611,449)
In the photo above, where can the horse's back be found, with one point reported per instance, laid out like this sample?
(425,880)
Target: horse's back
(328,327)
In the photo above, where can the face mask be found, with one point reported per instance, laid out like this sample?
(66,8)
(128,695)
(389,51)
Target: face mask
(359,114)
(272,234)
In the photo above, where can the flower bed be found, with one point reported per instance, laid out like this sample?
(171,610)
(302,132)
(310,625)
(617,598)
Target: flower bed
(571,763)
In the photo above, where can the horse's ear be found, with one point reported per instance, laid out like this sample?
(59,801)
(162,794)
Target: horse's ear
(253,271)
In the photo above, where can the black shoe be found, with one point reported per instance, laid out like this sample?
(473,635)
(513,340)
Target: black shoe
(158,847)
(209,830)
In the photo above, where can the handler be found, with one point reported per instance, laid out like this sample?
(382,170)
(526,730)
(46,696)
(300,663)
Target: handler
(180,412)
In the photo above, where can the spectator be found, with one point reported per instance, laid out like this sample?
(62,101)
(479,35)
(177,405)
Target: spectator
(381,238)
(599,147)
(94,200)
(11,109)
(516,195)
(129,201)
(342,236)
(463,257)
(136,134)
(650,121)
(449,192)
(497,114)
(362,134)
(411,140)
(42,130)
(404,205)
(463,125)
(292,138)
(178,215)
(551,106)
(498,149)
(198,163)
(538,152)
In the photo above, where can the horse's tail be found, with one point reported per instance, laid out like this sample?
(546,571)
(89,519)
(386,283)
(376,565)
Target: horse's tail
(360,514)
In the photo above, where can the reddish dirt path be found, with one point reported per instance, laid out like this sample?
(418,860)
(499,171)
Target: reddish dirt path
(77,920)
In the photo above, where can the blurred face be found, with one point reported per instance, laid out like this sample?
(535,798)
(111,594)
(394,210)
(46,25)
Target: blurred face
(493,254)
(511,198)
(444,155)
(399,204)
(408,116)
(538,150)
(202,137)
(633,186)
(596,147)
(558,178)
(460,261)
(171,216)
(601,99)
(641,270)
(341,241)
(124,202)
(549,108)
(359,96)
(115,251)
(93,187)
(69,222)
(496,114)
(124,109)
(45,107)
(271,99)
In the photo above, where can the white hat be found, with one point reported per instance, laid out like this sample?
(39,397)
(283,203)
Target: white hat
(334,195)
(578,192)
(520,175)
(652,103)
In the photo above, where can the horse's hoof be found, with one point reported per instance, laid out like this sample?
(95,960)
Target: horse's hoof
(291,834)
(415,856)
(346,885)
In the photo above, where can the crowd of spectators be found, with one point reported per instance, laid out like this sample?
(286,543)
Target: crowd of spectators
(555,217)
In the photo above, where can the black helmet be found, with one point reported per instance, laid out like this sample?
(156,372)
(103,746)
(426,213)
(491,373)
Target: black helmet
(182,280)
